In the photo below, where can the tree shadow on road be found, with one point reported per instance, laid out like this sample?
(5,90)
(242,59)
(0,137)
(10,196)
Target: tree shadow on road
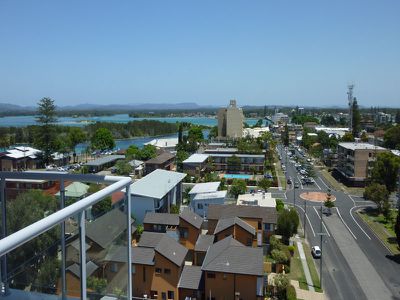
(395,258)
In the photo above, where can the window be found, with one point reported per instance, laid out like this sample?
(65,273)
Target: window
(158,270)
(259,225)
(114,268)
(183,233)
(210,275)
(171,295)
(199,205)
(167,271)
(153,294)
(163,296)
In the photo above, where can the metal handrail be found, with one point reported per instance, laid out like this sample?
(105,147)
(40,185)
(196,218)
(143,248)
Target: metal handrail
(26,234)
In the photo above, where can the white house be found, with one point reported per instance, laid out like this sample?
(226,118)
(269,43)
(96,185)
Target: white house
(204,194)
(156,192)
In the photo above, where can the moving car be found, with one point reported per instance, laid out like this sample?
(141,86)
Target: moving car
(316,252)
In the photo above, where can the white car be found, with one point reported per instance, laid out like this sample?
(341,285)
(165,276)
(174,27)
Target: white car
(316,252)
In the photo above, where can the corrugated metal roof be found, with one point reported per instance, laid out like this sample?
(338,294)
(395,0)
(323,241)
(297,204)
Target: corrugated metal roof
(104,160)
(156,184)
(212,195)
(196,158)
(190,277)
(205,187)
(267,214)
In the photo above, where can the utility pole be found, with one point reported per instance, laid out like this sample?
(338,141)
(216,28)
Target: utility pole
(320,261)
(304,219)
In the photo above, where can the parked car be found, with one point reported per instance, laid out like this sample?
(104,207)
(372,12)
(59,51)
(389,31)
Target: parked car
(316,252)
(289,181)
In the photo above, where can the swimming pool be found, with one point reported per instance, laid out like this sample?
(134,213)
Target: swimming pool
(237,176)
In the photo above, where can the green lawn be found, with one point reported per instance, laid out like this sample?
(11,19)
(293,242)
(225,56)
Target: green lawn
(296,270)
(280,175)
(311,266)
(384,230)
(339,186)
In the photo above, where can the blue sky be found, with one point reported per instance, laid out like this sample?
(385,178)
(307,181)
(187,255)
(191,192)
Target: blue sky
(259,52)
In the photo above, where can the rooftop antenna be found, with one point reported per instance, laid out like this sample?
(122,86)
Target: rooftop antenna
(350,99)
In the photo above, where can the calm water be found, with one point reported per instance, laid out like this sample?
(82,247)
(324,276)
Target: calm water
(21,121)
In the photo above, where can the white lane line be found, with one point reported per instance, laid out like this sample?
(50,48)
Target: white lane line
(312,229)
(323,182)
(317,184)
(354,202)
(351,214)
(323,224)
(340,216)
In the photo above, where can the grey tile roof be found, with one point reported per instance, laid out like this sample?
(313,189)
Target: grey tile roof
(117,253)
(203,242)
(91,267)
(143,256)
(230,256)
(105,229)
(190,277)
(156,184)
(161,219)
(172,250)
(191,218)
(228,222)
(150,239)
(267,214)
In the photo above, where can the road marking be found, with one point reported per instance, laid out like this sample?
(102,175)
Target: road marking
(323,182)
(323,224)
(312,229)
(340,216)
(317,184)
(351,214)
(354,202)
(300,181)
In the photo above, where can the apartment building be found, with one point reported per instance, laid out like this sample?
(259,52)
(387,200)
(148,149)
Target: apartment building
(20,158)
(230,122)
(196,164)
(354,161)
(156,192)
(233,271)
(204,194)
(262,219)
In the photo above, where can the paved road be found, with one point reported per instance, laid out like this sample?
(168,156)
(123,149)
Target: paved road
(343,275)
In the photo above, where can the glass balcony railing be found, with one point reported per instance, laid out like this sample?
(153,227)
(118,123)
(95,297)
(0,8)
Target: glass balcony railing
(76,252)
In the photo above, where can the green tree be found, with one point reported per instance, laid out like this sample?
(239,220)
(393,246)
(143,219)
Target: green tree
(328,120)
(392,137)
(279,256)
(377,193)
(133,152)
(45,137)
(285,136)
(387,210)
(281,282)
(76,136)
(213,133)
(195,134)
(174,209)
(347,137)
(48,274)
(99,285)
(397,118)
(280,205)
(102,139)
(181,155)
(364,137)
(288,221)
(123,167)
(264,184)
(356,119)
(24,210)
(385,170)
(397,227)
(328,202)
(148,152)
(238,187)
(234,163)
(101,207)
